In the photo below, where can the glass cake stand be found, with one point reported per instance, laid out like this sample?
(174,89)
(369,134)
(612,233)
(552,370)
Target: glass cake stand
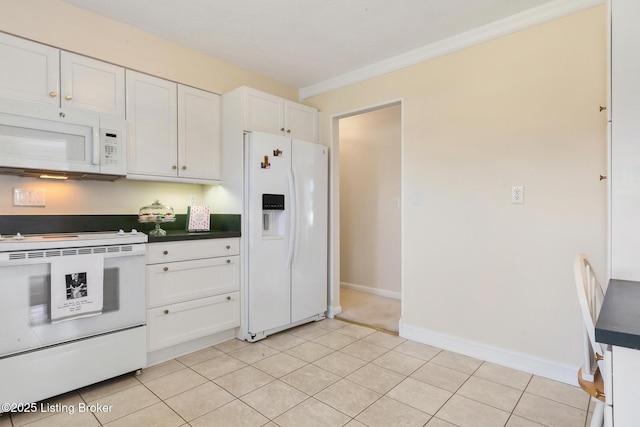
(156,213)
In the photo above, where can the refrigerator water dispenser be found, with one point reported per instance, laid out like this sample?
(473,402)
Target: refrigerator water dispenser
(273,215)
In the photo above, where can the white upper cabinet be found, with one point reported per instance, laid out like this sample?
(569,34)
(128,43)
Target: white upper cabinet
(173,131)
(29,71)
(152,132)
(264,112)
(87,84)
(37,73)
(198,133)
(300,121)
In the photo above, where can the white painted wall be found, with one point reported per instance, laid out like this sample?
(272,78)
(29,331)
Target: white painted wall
(480,275)
(369,188)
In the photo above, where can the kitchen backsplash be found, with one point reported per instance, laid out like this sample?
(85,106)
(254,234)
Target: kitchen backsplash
(42,224)
(99,198)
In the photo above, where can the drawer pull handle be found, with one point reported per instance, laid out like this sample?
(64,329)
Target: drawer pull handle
(165,253)
(228,246)
(229,298)
(228,261)
(166,269)
(166,312)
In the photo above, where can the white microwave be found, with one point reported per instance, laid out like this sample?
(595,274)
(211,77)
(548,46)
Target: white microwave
(77,144)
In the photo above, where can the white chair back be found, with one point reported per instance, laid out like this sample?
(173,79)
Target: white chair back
(590,296)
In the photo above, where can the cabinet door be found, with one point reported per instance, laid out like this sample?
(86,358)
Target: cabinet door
(263,112)
(152,137)
(626,395)
(186,321)
(173,282)
(88,84)
(198,133)
(30,71)
(300,121)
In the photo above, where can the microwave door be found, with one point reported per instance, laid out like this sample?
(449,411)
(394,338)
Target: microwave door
(61,145)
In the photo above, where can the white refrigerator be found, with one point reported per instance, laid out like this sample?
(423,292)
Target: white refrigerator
(285,230)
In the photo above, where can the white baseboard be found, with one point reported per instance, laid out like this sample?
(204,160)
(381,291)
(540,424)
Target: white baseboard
(523,362)
(370,290)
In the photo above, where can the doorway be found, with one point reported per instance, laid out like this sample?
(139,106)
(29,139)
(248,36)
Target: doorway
(369,146)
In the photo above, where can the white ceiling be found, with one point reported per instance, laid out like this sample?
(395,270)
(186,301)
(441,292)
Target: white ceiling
(306,42)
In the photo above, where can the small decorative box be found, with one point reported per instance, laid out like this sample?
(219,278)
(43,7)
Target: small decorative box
(198,218)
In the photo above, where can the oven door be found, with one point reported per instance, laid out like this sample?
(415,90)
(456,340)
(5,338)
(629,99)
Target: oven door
(26,297)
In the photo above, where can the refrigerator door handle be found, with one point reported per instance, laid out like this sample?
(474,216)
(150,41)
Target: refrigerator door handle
(292,217)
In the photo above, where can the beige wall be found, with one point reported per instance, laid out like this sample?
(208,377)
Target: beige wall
(519,110)
(62,25)
(369,189)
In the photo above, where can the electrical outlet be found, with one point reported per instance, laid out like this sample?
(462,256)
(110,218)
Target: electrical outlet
(517,194)
(33,197)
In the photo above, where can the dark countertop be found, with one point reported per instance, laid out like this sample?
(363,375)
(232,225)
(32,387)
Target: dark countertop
(177,235)
(619,319)
(222,225)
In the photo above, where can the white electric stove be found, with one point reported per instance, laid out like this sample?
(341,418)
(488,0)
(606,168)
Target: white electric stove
(72,311)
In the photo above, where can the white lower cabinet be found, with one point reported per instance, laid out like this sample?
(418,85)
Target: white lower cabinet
(177,323)
(189,299)
(625,391)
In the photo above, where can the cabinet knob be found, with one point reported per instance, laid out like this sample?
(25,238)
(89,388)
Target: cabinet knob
(68,97)
(166,269)
(184,168)
(281,129)
(174,167)
(228,246)
(53,94)
(228,298)
(288,130)
(166,312)
(228,261)
(165,252)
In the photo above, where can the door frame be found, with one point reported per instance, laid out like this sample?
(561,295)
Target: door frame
(334,307)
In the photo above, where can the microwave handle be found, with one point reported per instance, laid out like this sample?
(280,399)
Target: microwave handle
(95,134)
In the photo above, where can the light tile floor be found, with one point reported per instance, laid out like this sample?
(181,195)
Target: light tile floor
(329,373)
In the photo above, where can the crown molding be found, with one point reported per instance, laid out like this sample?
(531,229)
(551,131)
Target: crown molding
(529,18)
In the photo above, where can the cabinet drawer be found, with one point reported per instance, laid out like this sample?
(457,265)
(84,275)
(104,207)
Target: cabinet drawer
(191,249)
(177,323)
(172,282)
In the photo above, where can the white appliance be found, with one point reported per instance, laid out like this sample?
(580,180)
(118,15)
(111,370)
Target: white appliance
(37,138)
(42,356)
(285,237)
